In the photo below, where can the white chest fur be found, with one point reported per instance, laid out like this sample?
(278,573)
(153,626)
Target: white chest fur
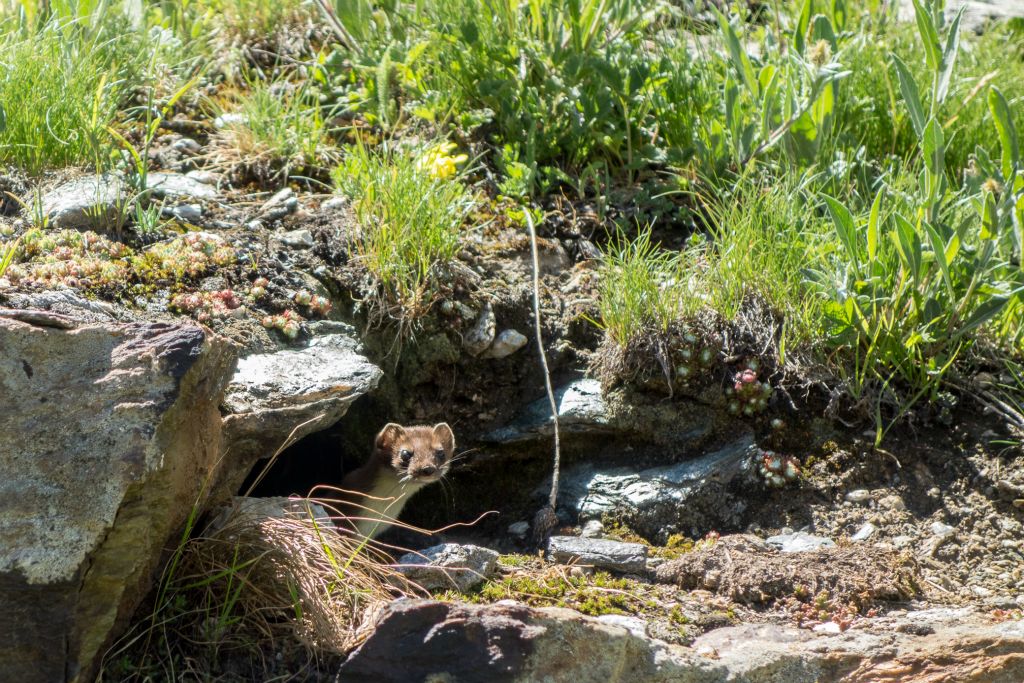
(383,503)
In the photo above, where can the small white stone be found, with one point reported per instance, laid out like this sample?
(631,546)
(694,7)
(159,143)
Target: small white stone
(942,530)
(505,344)
(187,145)
(592,529)
(864,532)
(300,239)
(858,496)
(334,204)
(829,627)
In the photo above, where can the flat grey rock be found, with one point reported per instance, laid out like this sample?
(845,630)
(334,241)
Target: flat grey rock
(628,558)
(178,186)
(449,565)
(799,542)
(581,408)
(299,239)
(674,497)
(89,203)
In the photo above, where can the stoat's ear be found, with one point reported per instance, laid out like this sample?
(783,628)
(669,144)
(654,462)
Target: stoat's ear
(388,436)
(443,433)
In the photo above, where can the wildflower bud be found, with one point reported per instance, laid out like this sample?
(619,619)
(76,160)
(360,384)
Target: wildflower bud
(777,423)
(257,292)
(992,185)
(291,329)
(261,282)
(203,317)
(302,297)
(686,353)
(705,356)
(269,322)
(683,371)
(820,53)
(734,407)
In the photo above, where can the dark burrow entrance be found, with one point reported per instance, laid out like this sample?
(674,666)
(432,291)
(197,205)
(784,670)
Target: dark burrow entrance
(479,484)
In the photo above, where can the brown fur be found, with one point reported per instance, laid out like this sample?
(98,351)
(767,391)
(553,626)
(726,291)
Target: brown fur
(404,460)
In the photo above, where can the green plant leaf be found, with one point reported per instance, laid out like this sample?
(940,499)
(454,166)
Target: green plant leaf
(985,311)
(908,87)
(929,36)
(1004,127)
(989,217)
(949,57)
(939,249)
(800,30)
(873,228)
(740,60)
(934,147)
(3,119)
(845,228)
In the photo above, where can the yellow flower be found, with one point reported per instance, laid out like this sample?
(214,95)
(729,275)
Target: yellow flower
(439,162)
(992,185)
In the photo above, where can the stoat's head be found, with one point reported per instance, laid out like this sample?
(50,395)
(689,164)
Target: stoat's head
(416,454)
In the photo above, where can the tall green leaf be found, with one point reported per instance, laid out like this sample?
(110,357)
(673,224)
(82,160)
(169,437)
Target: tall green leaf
(934,147)
(910,95)
(845,228)
(738,55)
(929,36)
(873,228)
(800,30)
(949,57)
(1004,127)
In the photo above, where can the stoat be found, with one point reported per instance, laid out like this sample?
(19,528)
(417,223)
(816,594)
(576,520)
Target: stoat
(404,460)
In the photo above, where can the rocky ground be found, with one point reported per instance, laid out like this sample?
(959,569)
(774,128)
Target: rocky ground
(693,544)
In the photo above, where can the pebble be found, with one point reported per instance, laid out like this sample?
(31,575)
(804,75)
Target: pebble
(829,627)
(300,239)
(519,529)
(449,565)
(865,532)
(189,213)
(204,177)
(187,145)
(799,542)
(505,344)
(479,338)
(229,119)
(942,530)
(593,529)
(599,553)
(892,502)
(334,204)
(280,205)
(858,496)
(981,591)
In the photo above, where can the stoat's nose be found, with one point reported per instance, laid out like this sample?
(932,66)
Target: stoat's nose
(425,471)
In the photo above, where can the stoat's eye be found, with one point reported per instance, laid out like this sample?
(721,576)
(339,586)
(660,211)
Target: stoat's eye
(406,456)
(440,454)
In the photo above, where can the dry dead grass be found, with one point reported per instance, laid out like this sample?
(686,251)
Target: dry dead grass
(268,581)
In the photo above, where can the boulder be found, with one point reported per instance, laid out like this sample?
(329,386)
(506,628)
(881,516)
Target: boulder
(277,398)
(112,431)
(424,640)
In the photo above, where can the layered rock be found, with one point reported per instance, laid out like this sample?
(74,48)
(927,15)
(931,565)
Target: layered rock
(111,431)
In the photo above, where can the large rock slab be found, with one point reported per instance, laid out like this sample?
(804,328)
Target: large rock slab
(279,397)
(598,422)
(691,496)
(422,640)
(110,432)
